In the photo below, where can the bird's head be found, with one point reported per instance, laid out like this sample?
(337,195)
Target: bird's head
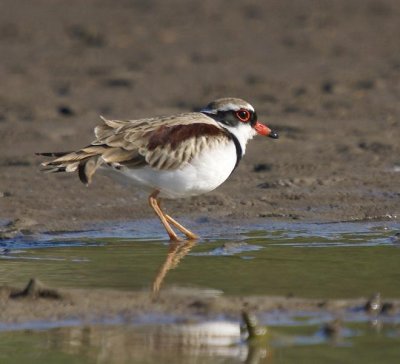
(239,117)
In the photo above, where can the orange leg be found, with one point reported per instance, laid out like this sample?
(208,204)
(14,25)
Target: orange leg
(188,233)
(155,206)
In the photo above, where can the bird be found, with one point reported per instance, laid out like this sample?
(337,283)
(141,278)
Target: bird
(176,156)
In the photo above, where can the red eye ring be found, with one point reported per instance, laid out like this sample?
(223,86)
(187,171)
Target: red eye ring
(243,115)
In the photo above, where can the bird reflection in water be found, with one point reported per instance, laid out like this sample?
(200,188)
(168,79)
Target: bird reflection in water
(176,252)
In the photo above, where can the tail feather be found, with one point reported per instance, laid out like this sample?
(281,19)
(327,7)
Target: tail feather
(85,161)
(53,154)
(54,170)
(87,168)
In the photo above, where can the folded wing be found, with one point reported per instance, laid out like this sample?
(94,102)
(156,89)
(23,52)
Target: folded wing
(162,143)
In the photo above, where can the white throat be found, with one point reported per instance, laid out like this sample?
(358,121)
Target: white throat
(243,133)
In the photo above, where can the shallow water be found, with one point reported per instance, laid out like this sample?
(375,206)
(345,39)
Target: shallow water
(302,341)
(338,260)
(308,260)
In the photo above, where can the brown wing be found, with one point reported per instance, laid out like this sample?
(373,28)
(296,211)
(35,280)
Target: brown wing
(163,143)
(170,147)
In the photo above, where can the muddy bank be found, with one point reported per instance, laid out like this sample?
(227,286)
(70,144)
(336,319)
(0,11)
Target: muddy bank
(37,302)
(325,77)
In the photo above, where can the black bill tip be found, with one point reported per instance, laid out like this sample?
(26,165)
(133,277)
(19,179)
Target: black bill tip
(273,134)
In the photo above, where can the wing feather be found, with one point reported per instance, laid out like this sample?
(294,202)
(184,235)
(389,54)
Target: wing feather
(164,143)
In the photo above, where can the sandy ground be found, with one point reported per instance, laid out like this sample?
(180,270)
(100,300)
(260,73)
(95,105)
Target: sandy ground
(324,74)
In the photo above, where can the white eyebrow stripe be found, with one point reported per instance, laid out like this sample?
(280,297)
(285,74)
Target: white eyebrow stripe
(229,107)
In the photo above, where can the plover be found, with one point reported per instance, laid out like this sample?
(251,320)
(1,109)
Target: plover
(173,156)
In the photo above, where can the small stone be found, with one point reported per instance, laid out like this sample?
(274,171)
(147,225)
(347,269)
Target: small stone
(262,167)
(327,87)
(332,329)
(36,289)
(374,304)
(395,238)
(387,308)
(65,111)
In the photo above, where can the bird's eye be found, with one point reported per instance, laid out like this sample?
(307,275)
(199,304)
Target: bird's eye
(243,115)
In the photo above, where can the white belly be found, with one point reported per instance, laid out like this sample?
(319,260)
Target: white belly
(203,174)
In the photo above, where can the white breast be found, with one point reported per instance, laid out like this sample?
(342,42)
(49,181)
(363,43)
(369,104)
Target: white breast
(203,174)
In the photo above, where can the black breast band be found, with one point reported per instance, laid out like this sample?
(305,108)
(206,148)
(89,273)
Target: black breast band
(239,151)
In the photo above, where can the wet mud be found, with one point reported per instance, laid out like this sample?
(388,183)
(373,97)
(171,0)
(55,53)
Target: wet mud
(37,302)
(326,77)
